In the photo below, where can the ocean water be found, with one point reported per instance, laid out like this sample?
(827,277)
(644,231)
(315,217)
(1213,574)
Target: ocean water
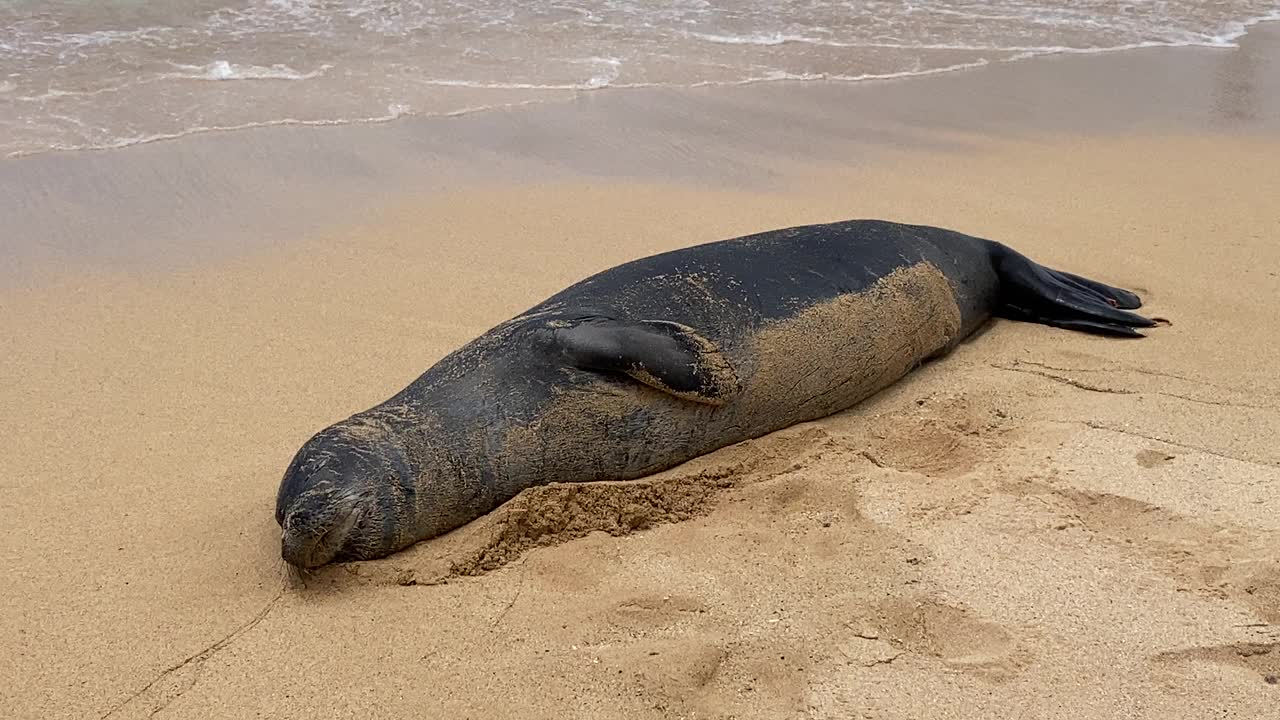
(88,74)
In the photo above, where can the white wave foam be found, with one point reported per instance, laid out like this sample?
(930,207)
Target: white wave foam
(775,38)
(606,76)
(54,93)
(37,40)
(782,75)
(602,79)
(483,85)
(224,70)
(1238,29)
(395,111)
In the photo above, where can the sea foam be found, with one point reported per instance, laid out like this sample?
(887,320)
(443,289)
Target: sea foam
(225,70)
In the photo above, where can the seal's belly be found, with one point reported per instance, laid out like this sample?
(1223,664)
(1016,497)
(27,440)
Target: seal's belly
(824,358)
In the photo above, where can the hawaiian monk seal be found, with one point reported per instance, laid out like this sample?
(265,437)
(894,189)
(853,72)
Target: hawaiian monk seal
(651,363)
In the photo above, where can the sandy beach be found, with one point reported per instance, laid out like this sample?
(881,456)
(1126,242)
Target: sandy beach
(1044,524)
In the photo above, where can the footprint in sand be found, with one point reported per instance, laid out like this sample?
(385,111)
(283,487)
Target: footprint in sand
(1230,564)
(1212,560)
(1260,657)
(933,629)
(672,673)
(1153,458)
(649,612)
(943,438)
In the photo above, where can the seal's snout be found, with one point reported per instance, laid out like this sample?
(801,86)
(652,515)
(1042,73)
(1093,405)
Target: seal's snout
(336,495)
(312,537)
(298,541)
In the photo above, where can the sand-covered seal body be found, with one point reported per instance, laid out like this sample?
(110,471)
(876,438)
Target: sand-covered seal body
(654,362)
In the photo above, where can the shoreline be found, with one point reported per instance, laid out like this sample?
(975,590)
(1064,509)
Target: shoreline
(143,207)
(1245,27)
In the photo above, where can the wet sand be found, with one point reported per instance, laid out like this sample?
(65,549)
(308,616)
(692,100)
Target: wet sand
(1044,524)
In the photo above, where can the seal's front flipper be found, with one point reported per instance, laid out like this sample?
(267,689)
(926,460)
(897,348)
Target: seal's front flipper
(1035,293)
(664,355)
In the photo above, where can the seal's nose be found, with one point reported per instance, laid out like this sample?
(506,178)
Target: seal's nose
(310,538)
(296,552)
(298,541)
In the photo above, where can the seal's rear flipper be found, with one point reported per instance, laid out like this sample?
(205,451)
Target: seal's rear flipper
(664,355)
(1035,293)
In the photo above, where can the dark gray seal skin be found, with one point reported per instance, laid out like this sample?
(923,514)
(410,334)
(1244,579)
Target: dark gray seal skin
(654,362)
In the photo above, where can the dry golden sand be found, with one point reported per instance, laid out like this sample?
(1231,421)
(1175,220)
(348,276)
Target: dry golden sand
(1043,524)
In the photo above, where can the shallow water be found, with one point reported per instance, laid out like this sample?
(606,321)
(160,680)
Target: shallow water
(96,74)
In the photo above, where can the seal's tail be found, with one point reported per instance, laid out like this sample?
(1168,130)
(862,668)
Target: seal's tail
(1035,293)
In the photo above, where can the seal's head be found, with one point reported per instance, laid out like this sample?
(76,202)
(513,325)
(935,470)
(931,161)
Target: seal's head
(347,495)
